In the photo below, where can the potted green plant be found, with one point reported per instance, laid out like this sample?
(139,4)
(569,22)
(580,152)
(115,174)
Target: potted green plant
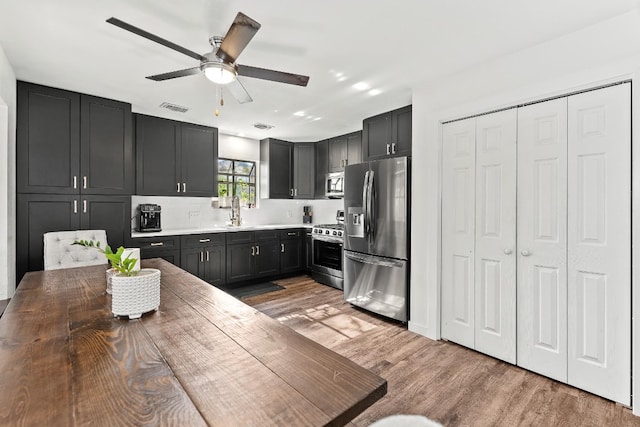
(133,291)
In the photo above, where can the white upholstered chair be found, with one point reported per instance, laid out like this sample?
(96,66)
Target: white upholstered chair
(60,253)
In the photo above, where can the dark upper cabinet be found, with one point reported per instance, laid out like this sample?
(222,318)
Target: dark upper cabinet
(288,169)
(345,150)
(276,179)
(322,168)
(304,183)
(41,213)
(106,146)
(175,158)
(387,135)
(69,143)
(198,158)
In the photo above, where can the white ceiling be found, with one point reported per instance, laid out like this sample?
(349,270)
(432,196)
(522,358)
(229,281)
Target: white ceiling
(390,46)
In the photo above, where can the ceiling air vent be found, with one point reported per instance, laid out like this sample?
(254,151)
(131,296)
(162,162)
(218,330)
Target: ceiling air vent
(263,126)
(174,107)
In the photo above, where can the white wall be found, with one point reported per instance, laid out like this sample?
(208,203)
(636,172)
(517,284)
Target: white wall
(199,212)
(606,52)
(7,177)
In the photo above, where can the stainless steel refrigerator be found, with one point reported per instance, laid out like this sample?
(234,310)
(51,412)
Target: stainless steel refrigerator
(376,246)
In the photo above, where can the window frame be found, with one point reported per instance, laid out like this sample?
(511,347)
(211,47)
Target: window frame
(231,181)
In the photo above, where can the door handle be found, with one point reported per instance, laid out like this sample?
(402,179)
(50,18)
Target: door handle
(178,189)
(525,252)
(253,251)
(508,251)
(201,256)
(184,187)
(282,247)
(207,256)
(295,192)
(388,149)
(156,244)
(75,182)
(84,206)
(291,192)
(257,249)
(393,148)
(84,182)
(205,240)
(75,206)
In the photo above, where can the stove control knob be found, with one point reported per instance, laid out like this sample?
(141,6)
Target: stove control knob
(335,233)
(327,232)
(340,233)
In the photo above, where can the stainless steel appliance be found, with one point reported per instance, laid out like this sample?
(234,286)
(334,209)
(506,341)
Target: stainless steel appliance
(327,252)
(148,217)
(376,245)
(335,185)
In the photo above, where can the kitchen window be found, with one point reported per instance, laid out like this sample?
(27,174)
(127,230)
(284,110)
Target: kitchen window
(237,177)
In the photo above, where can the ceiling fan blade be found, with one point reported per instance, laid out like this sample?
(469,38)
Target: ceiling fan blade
(237,38)
(175,74)
(275,76)
(239,92)
(154,38)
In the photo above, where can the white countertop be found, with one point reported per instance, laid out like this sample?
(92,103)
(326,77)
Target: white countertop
(216,229)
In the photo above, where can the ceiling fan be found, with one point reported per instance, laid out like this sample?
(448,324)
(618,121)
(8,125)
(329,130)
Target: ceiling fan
(220,65)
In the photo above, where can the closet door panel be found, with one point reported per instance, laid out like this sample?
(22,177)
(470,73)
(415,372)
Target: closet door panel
(495,266)
(542,238)
(458,232)
(599,245)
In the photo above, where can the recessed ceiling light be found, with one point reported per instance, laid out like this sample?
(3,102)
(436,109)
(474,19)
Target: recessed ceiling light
(299,113)
(361,86)
(317,118)
(342,78)
(374,92)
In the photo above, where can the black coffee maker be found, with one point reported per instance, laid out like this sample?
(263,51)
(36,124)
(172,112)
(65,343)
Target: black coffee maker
(148,217)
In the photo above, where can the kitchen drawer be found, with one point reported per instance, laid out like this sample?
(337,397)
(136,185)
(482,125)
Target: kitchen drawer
(202,240)
(263,235)
(291,233)
(240,237)
(169,242)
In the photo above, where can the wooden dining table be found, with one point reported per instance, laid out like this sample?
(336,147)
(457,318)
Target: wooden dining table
(203,358)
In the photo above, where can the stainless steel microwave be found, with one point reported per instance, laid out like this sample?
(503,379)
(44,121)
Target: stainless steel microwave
(334,185)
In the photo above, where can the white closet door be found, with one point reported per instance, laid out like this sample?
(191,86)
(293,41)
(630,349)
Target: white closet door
(495,263)
(599,265)
(542,238)
(458,235)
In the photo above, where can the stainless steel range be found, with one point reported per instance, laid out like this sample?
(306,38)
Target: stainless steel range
(327,241)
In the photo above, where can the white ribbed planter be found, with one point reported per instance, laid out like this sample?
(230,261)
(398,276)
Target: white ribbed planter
(134,295)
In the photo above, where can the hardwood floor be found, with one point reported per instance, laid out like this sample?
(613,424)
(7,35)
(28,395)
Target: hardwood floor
(440,380)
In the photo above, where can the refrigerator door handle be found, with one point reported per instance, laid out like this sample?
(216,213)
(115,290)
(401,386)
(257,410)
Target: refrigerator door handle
(373,260)
(365,194)
(371,209)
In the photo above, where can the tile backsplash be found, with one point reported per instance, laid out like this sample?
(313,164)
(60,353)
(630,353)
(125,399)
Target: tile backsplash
(196,212)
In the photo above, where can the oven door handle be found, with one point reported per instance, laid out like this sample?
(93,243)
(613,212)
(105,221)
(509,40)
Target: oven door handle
(328,239)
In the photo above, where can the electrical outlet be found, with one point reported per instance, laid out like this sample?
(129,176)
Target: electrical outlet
(194,215)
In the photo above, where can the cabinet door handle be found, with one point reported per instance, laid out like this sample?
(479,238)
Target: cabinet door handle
(282,247)
(75,206)
(295,192)
(253,251)
(184,187)
(393,148)
(178,189)
(84,182)
(291,192)
(291,233)
(388,149)
(525,252)
(205,240)
(207,256)
(257,250)
(75,182)
(201,256)
(156,244)
(84,206)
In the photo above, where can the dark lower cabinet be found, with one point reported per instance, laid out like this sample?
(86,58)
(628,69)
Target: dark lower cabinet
(308,254)
(240,262)
(166,247)
(267,258)
(291,253)
(41,213)
(203,255)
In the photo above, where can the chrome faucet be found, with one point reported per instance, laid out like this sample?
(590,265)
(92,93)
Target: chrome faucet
(234,216)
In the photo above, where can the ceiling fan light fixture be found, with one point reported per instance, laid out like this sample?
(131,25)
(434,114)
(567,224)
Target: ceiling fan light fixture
(219,72)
